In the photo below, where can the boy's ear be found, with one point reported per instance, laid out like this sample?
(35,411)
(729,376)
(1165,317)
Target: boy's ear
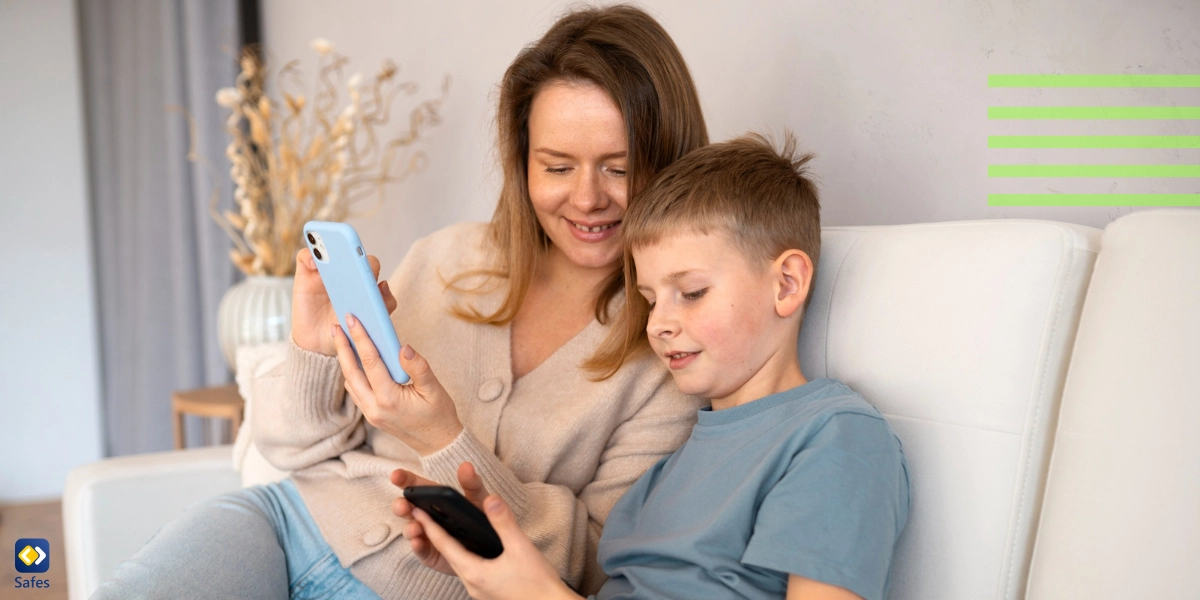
(793,273)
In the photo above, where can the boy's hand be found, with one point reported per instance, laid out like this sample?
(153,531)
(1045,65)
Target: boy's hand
(429,556)
(520,572)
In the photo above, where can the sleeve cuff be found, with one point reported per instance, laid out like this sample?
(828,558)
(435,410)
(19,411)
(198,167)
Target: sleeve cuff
(312,375)
(442,466)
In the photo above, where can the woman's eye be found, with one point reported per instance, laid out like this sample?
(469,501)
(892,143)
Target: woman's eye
(696,295)
(618,171)
(557,170)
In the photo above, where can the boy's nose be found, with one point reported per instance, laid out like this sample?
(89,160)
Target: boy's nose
(661,325)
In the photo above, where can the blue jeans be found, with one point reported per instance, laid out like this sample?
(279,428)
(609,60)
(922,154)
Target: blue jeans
(259,542)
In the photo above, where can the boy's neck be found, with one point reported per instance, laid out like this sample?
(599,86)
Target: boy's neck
(780,373)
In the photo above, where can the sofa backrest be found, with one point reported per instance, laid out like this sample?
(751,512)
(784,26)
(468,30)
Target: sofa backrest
(960,334)
(1121,516)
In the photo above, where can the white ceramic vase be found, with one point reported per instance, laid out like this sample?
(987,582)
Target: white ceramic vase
(257,310)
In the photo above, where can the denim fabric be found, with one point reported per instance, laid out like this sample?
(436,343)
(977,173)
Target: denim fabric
(258,542)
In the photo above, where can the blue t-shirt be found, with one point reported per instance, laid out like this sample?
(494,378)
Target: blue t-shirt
(810,481)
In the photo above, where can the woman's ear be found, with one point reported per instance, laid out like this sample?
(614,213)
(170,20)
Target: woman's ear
(793,272)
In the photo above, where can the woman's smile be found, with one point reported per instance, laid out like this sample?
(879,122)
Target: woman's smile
(593,233)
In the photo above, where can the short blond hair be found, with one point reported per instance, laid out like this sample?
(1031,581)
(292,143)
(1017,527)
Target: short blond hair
(761,196)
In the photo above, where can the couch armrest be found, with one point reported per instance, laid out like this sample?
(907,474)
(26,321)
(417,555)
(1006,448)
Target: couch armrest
(111,508)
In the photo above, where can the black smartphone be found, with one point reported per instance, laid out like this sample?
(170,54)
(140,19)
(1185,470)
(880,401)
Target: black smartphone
(458,517)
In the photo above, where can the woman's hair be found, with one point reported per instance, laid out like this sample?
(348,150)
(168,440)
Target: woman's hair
(761,198)
(626,53)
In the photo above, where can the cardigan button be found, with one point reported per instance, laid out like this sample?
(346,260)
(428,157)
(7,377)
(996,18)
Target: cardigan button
(491,389)
(376,535)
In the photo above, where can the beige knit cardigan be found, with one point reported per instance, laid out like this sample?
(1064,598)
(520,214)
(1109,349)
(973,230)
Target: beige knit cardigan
(560,448)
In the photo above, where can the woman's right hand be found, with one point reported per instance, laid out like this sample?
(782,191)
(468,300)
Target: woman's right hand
(312,313)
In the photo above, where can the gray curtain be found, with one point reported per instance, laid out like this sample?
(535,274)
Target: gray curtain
(162,264)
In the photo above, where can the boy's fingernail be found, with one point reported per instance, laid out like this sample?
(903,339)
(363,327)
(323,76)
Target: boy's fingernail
(407,351)
(492,504)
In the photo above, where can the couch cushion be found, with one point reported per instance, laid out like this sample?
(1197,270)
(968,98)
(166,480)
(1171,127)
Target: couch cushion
(112,507)
(1121,515)
(254,361)
(959,333)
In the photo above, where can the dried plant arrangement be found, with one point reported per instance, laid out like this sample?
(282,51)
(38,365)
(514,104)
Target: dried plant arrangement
(312,156)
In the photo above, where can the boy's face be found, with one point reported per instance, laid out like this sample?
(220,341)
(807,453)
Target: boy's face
(713,317)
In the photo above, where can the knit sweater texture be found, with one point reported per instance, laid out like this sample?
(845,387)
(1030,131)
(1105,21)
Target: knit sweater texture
(558,447)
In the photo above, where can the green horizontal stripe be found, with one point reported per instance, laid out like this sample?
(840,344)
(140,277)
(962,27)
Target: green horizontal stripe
(1094,141)
(1094,112)
(1089,81)
(1093,170)
(1093,199)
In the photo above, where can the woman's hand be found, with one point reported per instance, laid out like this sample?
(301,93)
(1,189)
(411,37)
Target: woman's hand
(312,313)
(421,414)
(429,556)
(520,572)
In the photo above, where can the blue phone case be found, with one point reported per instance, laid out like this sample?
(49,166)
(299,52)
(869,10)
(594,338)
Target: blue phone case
(352,289)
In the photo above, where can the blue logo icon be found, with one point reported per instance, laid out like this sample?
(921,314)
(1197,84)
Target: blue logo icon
(32,555)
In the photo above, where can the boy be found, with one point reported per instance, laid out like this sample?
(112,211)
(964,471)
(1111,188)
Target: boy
(786,486)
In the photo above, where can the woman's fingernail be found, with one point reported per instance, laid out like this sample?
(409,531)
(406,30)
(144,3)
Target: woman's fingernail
(351,321)
(492,504)
(334,331)
(408,351)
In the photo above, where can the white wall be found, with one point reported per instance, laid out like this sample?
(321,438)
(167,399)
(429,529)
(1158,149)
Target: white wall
(49,381)
(891,94)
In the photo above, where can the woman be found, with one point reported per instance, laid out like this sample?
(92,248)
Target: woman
(505,313)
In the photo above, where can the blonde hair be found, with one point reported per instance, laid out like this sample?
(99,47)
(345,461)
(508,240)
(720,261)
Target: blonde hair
(626,53)
(762,197)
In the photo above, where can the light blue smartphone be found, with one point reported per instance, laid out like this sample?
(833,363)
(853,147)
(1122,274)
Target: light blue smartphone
(352,289)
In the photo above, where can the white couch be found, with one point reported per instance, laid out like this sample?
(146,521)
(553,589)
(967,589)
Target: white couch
(1042,377)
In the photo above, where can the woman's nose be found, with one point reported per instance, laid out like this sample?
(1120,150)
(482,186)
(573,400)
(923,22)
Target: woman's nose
(589,194)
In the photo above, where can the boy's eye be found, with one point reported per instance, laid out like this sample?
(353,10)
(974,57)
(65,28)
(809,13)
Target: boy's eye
(696,295)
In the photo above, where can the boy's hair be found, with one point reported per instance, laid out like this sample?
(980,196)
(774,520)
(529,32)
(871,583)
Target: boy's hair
(760,196)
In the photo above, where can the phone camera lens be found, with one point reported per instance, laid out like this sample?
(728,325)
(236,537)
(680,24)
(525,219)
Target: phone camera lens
(317,253)
(311,239)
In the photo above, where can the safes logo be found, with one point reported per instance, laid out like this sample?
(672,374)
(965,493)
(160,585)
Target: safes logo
(32,555)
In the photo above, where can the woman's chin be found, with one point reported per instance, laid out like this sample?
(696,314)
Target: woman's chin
(590,256)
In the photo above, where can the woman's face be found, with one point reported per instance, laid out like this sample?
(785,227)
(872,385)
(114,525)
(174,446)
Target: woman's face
(578,153)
